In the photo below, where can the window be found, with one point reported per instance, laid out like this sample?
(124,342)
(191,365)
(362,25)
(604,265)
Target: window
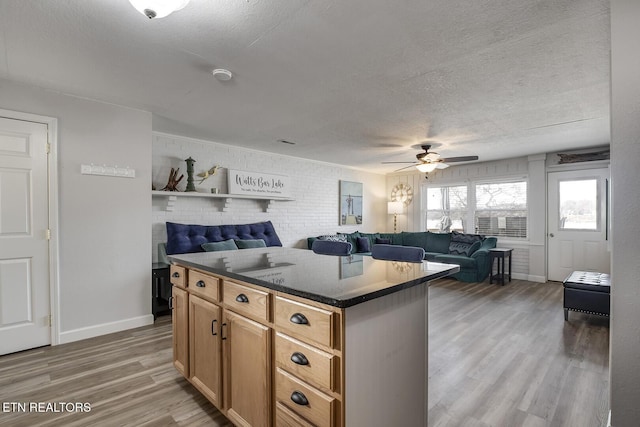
(446,207)
(496,208)
(501,209)
(579,204)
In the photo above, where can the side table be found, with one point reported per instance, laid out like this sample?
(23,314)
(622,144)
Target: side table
(160,289)
(499,254)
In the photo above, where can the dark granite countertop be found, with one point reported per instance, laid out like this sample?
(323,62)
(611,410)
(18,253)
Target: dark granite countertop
(338,281)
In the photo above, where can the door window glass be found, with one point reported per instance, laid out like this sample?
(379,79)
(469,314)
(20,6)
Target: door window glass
(578,204)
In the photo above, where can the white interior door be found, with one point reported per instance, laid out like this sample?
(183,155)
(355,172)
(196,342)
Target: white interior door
(577,222)
(24,249)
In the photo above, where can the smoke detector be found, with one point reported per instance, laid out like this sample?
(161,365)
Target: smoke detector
(222,74)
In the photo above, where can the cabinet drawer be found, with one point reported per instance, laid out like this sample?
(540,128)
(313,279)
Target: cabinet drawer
(306,362)
(305,322)
(178,276)
(245,300)
(287,418)
(204,285)
(304,400)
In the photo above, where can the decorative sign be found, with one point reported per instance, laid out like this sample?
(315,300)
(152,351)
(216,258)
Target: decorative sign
(259,184)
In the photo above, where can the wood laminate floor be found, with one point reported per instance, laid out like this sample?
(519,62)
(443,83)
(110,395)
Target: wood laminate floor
(499,356)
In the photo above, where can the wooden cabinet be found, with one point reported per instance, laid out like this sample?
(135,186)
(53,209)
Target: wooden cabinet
(247,348)
(205,348)
(180,325)
(308,368)
(226,355)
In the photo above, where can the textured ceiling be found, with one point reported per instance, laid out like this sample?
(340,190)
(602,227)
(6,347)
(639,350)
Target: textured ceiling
(351,82)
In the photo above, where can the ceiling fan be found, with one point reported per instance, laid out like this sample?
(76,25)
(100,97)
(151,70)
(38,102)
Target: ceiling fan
(430,161)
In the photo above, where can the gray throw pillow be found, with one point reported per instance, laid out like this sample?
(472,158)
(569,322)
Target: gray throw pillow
(250,243)
(226,245)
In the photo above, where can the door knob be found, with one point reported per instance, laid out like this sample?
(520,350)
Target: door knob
(550,234)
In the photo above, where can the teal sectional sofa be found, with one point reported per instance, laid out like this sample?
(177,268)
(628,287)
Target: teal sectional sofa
(450,248)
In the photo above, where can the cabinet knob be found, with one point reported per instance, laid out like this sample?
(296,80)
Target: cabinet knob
(175,274)
(299,398)
(299,358)
(242,298)
(299,319)
(200,284)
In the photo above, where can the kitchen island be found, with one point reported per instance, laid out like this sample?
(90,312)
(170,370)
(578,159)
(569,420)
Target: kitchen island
(287,337)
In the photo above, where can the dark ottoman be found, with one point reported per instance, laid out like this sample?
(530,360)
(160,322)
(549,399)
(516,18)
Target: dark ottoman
(588,292)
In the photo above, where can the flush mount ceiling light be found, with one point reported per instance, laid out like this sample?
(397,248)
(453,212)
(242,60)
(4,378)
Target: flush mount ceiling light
(158,8)
(222,74)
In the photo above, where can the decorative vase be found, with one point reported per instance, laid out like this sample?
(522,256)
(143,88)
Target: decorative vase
(190,186)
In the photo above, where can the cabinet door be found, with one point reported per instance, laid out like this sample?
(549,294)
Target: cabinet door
(205,348)
(247,349)
(180,320)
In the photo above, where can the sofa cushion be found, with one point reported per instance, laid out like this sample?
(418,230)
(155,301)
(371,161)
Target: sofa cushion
(381,241)
(351,238)
(250,243)
(418,239)
(398,253)
(226,245)
(395,238)
(188,238)
(363,244)
(464,244)
(438,242)
(462,261)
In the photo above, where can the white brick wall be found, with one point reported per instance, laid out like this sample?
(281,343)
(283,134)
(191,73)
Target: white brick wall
(316,191)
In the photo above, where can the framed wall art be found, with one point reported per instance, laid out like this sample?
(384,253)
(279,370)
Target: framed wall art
(350,203)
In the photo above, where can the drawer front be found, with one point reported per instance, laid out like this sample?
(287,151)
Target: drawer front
(204,285)
(287,418)
(245,300)
(304,400)
(305,322)
(178,276)
(306,362)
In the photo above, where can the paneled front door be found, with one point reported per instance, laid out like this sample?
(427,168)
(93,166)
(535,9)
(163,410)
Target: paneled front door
(24,247)
(577,220)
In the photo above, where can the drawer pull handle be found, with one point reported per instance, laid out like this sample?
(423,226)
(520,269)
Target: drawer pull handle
(200,284)
(242,298)
(213,327)
(175,274)
(299,359)
(222,330)
(171,303)
(299,319)
(299,398)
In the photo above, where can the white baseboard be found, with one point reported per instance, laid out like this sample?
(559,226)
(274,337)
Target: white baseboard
(104,328)
(529,277)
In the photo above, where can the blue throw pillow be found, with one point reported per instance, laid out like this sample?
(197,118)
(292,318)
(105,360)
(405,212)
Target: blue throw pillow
(250,243)
(225,245)
(363,244)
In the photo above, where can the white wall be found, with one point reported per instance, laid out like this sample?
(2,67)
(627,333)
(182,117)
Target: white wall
(625,176)
(315,190)
(104,271)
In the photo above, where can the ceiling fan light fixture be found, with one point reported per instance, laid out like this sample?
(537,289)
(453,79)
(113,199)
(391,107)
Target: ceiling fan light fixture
(158,8)
(427,167)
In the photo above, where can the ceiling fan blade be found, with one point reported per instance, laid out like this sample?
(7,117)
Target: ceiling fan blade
(460,159)
(406,167)
(396,162)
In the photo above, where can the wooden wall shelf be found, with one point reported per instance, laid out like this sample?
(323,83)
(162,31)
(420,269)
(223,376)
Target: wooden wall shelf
(172,197)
